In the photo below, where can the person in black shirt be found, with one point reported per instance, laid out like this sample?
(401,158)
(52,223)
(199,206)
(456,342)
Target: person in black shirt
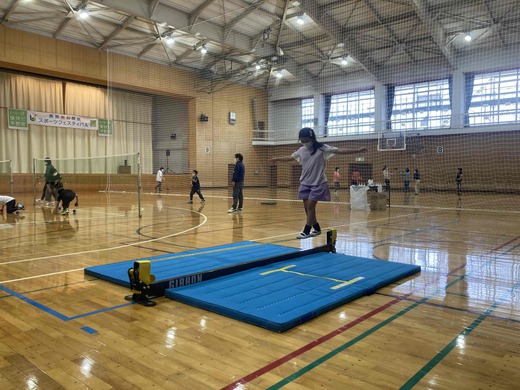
(417,180)
(65,197)
(459,181)
(237,181)
(195,187)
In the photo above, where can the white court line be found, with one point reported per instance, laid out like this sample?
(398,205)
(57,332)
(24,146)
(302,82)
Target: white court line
(108,249)
(185,231)
(349,224)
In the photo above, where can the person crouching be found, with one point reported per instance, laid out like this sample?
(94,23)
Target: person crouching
(65,197)
(10,204)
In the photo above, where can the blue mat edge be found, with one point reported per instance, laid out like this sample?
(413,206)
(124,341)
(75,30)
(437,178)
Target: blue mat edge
(126,283)
(282,327)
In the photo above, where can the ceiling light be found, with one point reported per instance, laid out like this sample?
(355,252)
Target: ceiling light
(344,61)
(257,67)
(467,37)
(279,74)
(300,20)
(203,49)
(170,39)
(83,13)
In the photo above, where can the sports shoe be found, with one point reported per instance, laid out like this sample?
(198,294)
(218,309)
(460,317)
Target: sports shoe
(239,209)
(190,201)
(65,212)
(202,201)
(316,232)
(232,210)
(302,235)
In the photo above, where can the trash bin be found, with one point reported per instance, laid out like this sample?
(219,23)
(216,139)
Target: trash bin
(377,200)
(358,198)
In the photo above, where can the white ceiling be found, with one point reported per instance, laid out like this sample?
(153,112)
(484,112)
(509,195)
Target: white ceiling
(374,35)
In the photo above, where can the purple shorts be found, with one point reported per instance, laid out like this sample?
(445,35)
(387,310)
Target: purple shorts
(319,193)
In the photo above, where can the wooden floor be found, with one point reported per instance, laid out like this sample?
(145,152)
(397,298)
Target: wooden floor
(456,325)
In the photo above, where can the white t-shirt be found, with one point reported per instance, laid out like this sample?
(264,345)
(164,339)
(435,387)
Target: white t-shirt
(313,166)
(4,199)
(159,175)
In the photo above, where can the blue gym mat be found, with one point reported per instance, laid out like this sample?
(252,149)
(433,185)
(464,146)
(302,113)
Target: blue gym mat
(286,294)
(193,266)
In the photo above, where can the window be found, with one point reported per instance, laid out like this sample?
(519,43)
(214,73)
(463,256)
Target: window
(495,98)
(351,113)
(308,113)
(422,106)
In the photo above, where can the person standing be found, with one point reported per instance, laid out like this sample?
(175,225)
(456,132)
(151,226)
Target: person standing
(356,177)
(417,180)
(406,179)
(237,181)
(386,176)
(459,181)
(52,179)
(195,187)
(313,157)
(336,178)
(159,179)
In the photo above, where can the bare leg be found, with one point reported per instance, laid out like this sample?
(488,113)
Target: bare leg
(310,211)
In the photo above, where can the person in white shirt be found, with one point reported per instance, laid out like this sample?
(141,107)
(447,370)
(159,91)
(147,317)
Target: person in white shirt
(159,179)
(10,204)
(313,156)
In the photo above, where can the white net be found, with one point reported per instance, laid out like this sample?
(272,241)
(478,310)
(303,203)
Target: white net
(6,178)
(397,78)
(120,173)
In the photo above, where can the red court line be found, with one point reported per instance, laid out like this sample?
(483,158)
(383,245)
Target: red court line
(305,348)
(321,340)
(503,245)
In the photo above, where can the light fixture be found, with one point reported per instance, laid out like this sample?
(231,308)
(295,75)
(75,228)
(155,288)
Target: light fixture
(344,61)
(257,67)
(467,37)
(203,49)
(300,20)
(83,13)
(279,74)
(170,39)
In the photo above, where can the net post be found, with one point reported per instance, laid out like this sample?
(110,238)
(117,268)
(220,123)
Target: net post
(139,185)
(331,240)
(11,181)
(34,181)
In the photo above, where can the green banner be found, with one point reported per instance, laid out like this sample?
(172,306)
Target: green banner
(17,119)
(105,127)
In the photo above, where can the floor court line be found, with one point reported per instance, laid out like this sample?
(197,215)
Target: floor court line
(108,249)
(263,370)
(144,242)
(448,348)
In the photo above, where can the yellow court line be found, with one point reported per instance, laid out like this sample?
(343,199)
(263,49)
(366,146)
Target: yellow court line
(342,283)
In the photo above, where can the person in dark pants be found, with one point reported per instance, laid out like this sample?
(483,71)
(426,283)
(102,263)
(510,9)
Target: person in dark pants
(195,187)
(406,177)
(52,178)
(65,197)
(10,204)
(459,181)
(159,179)
(237,181)
(417,180)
